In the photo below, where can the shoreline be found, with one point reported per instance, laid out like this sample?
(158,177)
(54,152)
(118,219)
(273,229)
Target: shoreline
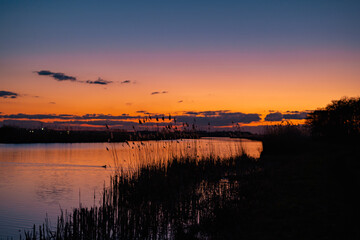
(22,136)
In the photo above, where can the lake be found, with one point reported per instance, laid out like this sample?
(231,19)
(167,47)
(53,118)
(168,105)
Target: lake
(38,180)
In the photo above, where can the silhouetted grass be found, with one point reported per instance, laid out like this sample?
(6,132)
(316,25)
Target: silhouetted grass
(172,200)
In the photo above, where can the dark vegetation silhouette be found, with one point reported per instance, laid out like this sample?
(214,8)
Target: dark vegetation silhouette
(285,138)
(341,118)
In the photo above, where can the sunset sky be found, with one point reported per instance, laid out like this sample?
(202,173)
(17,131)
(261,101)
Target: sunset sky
(228,61)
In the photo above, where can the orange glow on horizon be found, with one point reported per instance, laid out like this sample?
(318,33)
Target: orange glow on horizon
(238,82)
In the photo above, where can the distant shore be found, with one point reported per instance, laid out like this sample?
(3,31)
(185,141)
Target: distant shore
(14,135)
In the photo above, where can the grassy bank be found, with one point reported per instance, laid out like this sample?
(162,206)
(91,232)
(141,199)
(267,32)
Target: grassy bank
(308,194)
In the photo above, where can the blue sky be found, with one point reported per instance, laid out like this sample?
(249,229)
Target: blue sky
(57,26)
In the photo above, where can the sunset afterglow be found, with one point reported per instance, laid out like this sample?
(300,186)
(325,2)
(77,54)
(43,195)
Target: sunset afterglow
(173,58)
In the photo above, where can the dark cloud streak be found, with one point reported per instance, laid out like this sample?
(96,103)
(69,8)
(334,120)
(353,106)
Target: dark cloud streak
(290,115)
(57,76)
(99,81)
(218,118)
(63,77)
(66,116)
(162,92)
(7,94)
(301,115)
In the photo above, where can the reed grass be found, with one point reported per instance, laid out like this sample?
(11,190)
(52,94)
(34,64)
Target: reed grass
(176,199)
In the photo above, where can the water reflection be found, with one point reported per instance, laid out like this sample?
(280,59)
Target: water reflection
(52,188)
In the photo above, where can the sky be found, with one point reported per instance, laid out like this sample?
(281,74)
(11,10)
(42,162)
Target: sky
(248,62)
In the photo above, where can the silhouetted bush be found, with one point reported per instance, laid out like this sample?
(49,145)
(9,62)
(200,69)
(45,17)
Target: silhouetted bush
(285,138)
(341,118)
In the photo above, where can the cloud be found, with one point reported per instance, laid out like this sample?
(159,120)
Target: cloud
(125,82)
(276,116)
(57,76)
(7,94)
(45,73)
(52,102)
(23,123)
(296,115)
(67,116)
(221,118)
(63,77)
(36,116)
(218,118)
(180,101)
(191,113)
(99,81)
(162,92)
(200,118)
(142,111)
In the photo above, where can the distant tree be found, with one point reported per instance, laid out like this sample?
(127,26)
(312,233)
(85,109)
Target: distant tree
(340,118)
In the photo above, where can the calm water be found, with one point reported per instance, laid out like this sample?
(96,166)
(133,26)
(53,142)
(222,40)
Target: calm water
(40,179)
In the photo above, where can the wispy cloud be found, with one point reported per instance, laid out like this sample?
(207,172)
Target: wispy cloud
(8,94)
(180,101)
(219,118)
(44,73)
(66,116)
(126,81)
(56,75)
(162,92)
(99,81)
(143,111)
